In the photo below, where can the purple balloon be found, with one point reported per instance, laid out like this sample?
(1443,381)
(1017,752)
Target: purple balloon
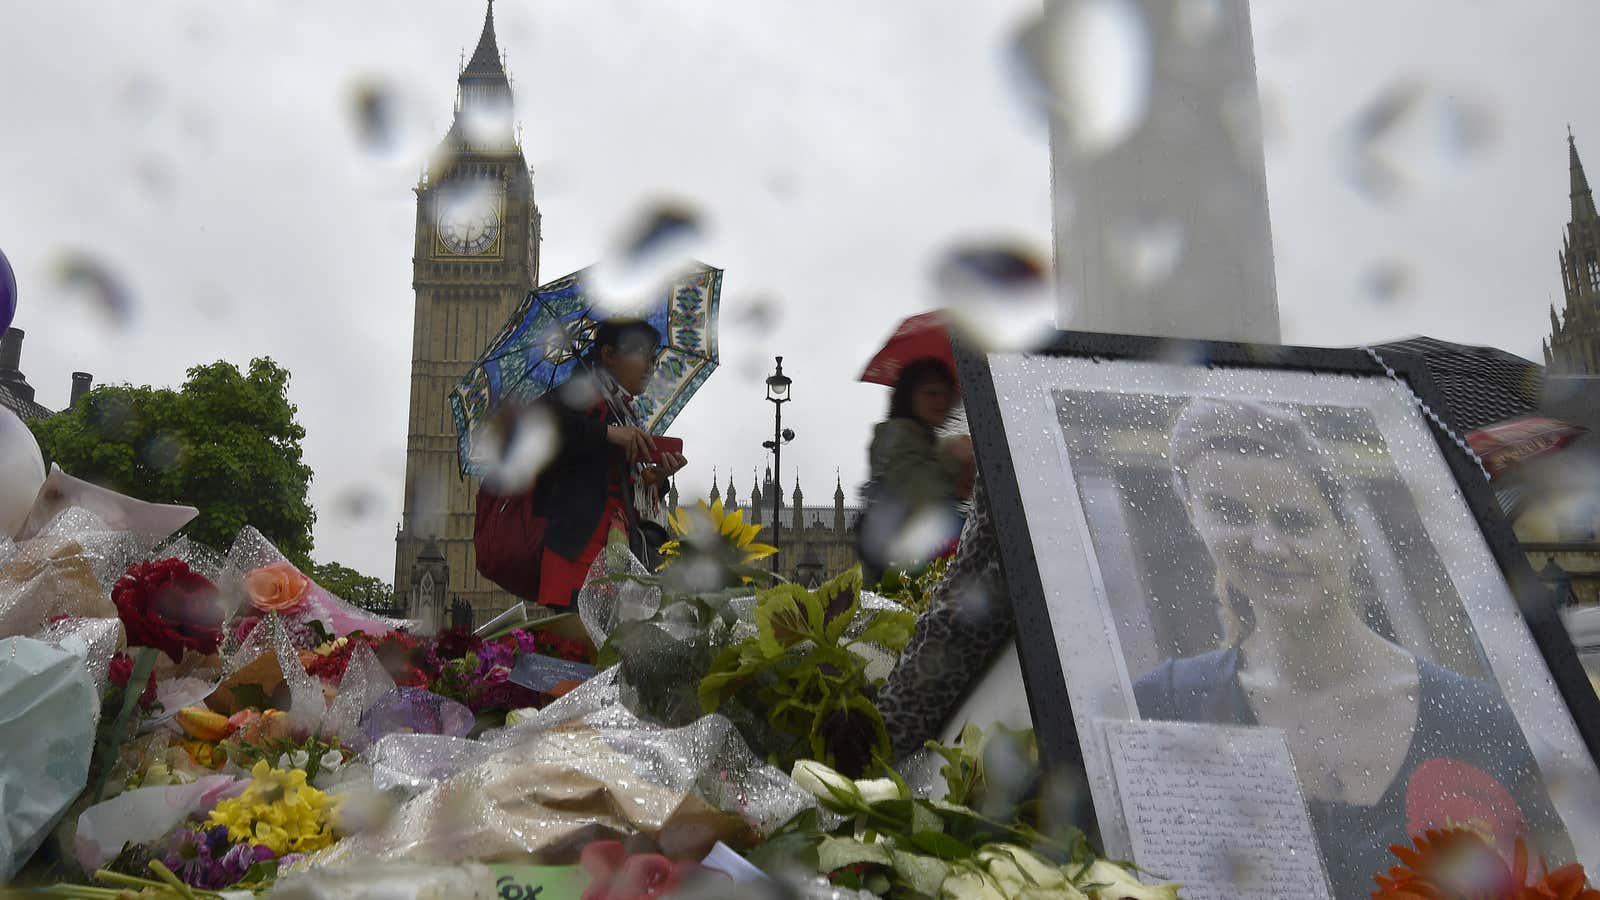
(8,293)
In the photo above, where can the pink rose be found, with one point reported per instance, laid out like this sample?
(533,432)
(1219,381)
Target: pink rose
(278,587)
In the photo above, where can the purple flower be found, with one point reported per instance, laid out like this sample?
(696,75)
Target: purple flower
(236,864)
(496,656)
(190,857)
(527,641)
(205,860)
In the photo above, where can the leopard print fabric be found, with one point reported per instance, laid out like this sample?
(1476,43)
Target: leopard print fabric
(967,623)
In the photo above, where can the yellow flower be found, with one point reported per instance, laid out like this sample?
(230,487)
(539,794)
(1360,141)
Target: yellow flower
(278,810)
(327,647)
(204,753)
(702,524)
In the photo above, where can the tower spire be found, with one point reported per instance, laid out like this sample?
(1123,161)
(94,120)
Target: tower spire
(1582,199)
(484,110)
(486,58)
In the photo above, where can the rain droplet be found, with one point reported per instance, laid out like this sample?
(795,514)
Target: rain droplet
(515,448)
(1088,64)
(357,502)
(1147,248)
(760,315)
(999,294)
(1199,21)
(651,250)
(90,282)
(165,452)
(1389,282)
(1412,130)
(387,123)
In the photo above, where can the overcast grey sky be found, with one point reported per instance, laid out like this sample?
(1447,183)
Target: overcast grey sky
(205,155)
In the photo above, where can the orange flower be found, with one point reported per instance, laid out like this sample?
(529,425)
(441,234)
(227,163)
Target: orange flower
(278,587)
(1459,863)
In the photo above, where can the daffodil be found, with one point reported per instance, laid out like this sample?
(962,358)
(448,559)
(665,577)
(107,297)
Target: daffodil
(708,526)
(279,810)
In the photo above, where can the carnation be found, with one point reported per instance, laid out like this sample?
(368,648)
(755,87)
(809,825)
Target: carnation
(168,606)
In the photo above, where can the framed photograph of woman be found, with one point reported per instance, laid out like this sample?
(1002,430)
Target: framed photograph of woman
(1278,541)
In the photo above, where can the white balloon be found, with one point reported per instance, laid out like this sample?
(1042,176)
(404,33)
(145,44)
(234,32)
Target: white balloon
(21,472)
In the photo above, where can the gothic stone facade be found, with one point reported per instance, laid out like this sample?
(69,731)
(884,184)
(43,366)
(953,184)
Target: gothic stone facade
(476,255)
(815,542)
(1560,530)
(1574,344)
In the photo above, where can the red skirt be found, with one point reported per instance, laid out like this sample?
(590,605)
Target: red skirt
(560,578)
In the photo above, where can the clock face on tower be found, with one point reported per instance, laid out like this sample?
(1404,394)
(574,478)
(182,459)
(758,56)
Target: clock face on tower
(468,222)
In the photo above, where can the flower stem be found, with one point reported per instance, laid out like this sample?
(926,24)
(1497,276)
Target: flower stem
(160,868)
(111,738)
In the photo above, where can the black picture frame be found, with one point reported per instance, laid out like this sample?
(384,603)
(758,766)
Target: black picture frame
(1043,676)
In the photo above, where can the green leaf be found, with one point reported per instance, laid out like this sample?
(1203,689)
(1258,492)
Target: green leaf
(838,852)
(785,616)
(941,845)
(840,598)
(890,628)
(923,874)
(924,818)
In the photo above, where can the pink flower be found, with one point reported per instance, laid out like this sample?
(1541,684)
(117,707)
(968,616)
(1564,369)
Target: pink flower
(277,587)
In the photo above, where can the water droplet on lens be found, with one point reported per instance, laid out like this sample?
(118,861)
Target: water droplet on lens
(387,121)
(655,247)
(90,282)
(1147,248)
(1389,282)
(1199,21)
(1412,130)
(1088,63)
(998,294)
(515,448)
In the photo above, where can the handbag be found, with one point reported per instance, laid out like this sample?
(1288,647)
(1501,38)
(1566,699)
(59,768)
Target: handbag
(508,541)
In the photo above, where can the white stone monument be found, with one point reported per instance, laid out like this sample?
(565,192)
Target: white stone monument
(1165,232)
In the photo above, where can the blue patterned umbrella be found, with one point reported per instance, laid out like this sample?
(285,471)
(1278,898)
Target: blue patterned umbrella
(541,345)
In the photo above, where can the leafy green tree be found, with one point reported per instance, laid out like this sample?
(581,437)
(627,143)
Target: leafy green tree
(362,590)
(227,443)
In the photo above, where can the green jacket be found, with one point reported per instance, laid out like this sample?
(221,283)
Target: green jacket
(907,465)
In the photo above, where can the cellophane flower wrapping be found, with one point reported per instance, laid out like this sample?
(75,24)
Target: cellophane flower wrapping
(583,768)
(48,706)
(65,570)
(251,551)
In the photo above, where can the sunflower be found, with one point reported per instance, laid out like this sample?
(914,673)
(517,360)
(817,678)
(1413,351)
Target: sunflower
(713,530)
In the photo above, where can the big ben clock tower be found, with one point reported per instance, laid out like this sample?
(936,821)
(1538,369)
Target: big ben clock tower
(475,257)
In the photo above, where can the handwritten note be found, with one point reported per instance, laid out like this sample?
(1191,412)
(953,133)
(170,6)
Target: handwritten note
(1217,810)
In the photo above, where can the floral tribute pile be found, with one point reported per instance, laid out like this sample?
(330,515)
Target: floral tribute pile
(701,730)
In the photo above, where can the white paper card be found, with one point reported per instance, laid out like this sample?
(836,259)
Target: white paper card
(1217,810)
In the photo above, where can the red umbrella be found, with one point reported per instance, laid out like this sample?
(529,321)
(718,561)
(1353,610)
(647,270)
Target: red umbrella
(920,336)
(1505,444)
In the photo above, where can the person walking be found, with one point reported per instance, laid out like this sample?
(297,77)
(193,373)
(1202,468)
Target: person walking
(606,475)
(917,481)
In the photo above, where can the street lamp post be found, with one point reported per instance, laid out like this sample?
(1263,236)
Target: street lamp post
(778,392)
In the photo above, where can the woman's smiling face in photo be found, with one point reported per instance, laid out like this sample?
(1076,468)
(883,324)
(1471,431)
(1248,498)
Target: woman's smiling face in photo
(1271,532)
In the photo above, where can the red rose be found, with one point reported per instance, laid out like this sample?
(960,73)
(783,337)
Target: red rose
(122,670)
(168,606)
(1447,794)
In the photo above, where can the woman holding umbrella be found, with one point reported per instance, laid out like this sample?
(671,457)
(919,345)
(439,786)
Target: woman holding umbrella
(917,480)
(607,474)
